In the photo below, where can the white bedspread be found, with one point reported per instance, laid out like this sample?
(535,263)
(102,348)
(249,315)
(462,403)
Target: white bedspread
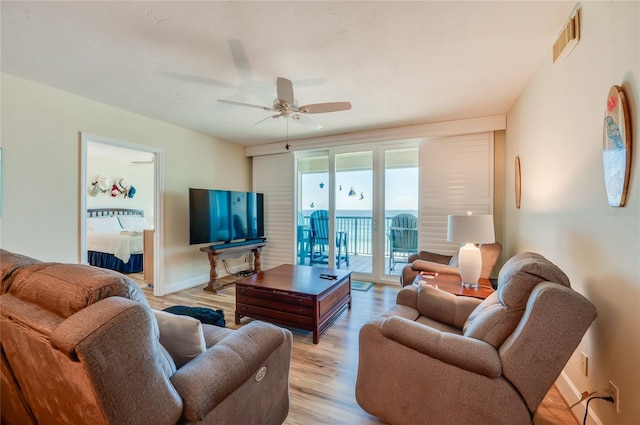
(118,244)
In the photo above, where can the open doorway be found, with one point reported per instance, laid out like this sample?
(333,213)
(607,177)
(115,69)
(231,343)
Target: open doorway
(120,187)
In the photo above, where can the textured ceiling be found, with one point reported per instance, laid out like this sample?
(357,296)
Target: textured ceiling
(398,63)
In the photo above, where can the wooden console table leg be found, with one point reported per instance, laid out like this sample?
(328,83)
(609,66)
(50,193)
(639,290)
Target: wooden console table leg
(213,273)
(256,260)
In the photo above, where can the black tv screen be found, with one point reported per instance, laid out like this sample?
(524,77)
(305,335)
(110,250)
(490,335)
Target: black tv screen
(224,216)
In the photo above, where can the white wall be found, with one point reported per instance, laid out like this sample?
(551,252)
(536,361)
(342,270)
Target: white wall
(40,170)
(555,127)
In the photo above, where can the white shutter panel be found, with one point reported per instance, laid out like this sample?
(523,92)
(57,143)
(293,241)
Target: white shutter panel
(274,175)
(456,176)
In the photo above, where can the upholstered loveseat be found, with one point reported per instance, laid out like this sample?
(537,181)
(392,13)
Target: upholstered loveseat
(80,345)
(436,358)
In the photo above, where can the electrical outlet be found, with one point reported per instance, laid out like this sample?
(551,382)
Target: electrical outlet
(616,395)
(584,363)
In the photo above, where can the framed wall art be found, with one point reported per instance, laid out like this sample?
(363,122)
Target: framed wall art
(616,147)
(518,183)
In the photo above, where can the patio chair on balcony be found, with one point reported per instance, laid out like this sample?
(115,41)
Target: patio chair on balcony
(319,240)
(303,239)
(403,238)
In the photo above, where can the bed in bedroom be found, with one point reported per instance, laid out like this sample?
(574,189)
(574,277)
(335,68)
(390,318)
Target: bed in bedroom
(115,239)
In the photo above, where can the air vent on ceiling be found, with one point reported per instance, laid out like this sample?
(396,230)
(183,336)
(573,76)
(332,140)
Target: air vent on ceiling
(568,38)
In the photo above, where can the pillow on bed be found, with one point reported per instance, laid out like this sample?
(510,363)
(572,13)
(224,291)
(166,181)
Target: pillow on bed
(134,223)
(108,224)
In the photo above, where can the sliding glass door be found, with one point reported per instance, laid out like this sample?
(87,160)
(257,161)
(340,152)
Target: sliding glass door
(347,200)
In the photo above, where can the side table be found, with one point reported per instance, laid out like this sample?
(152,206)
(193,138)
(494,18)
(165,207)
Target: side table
(452,283)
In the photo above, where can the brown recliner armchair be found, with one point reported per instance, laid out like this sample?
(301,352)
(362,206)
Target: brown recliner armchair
(80,345)
(426,261)
(437,358)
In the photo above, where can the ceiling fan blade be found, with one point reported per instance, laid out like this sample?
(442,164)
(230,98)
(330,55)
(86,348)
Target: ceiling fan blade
(240,59)
(198,80)
(264,119)
(266,108)
(285,90)
(306,122)
(317,108)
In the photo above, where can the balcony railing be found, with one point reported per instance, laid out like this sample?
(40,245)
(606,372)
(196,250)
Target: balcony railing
(359,233)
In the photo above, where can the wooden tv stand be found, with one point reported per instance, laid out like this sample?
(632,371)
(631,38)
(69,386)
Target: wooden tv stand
(232,250)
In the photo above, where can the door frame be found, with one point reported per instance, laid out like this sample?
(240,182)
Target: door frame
(158,217)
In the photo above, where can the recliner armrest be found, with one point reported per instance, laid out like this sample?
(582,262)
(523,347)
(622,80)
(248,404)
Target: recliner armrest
(431,256)
(445,307)
(408,296)
(430,266)
(466,353)
(211,377)
(115,339)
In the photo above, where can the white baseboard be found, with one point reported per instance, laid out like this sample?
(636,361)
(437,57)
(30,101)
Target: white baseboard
(571,395)
(186,284)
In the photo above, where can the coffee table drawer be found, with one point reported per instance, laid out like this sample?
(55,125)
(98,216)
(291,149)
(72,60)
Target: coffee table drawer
(275,305)
(271,294)
(279,316)
(334,298)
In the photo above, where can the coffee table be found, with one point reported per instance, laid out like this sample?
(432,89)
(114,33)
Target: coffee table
(296,296)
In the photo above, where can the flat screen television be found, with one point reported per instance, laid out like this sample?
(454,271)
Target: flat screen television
(225,216)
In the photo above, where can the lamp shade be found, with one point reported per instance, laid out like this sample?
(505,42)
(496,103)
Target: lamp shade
(471,228)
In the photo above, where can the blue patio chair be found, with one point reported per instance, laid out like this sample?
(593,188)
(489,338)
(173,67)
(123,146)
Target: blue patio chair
(403,238)
(319,240)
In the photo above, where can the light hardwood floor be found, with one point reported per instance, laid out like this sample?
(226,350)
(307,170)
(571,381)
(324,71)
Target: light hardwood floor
(323,376)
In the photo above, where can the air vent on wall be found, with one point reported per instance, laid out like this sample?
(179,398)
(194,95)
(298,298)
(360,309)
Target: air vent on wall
(568,38)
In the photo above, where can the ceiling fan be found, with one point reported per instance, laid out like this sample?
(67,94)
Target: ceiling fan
(287,106)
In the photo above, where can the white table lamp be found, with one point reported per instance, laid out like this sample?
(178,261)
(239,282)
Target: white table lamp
(470,229)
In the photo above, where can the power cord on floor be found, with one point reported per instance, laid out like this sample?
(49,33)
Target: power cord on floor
(586,410)
(242,272)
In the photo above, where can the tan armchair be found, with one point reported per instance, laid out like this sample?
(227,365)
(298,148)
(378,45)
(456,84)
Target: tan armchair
(426,261)
(438,358)
(80,345)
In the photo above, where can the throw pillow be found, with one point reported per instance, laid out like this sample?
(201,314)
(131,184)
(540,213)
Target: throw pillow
(181,336)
